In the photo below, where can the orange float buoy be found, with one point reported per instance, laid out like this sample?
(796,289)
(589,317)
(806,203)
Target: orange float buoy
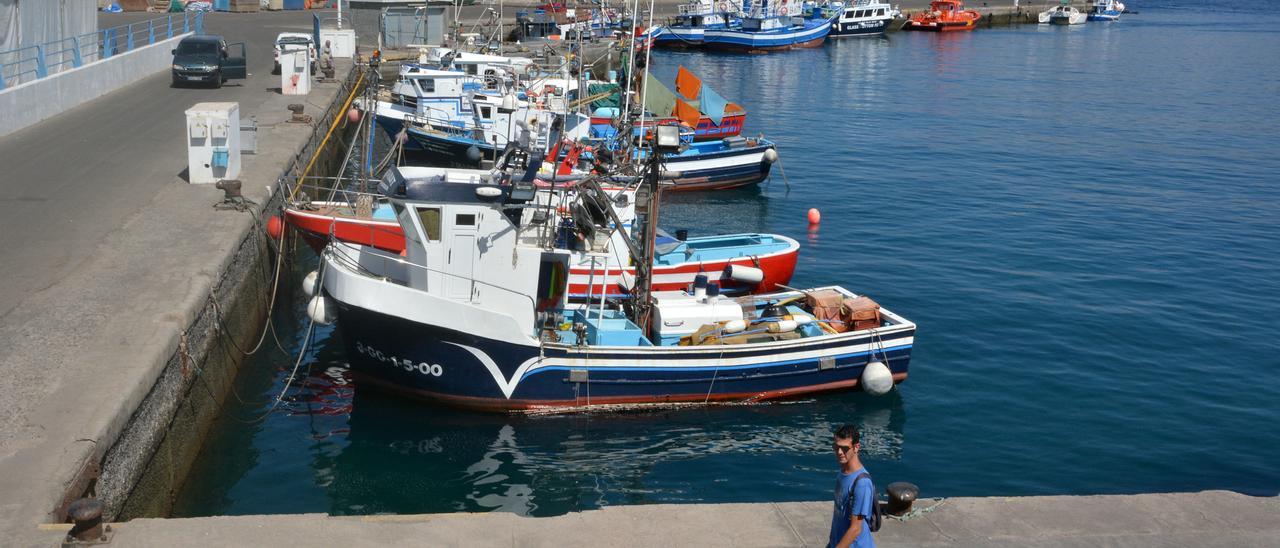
(353,115)
(815,216)
(275,227)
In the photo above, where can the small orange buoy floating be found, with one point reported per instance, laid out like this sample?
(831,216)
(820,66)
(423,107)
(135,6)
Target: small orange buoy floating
(815,216)
(275,227)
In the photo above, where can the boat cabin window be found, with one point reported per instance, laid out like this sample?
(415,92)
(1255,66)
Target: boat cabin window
(860,13)
(403,216)
(464,219)
(880,11)
(427,85)
(430,218)
(486,112)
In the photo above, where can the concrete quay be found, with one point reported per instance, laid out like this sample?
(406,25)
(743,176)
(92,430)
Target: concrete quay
(1210,518)
(124,288)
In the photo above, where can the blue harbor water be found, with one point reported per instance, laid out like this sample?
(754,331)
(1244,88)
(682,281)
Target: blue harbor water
(1083,221)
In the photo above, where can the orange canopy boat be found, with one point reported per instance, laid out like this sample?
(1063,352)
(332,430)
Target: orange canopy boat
(944,16)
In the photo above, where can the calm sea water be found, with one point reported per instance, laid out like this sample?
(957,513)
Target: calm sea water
(1085,223)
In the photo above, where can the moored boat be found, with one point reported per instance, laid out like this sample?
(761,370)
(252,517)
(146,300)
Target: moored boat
(1063,14)
(770,25)
(944,16)
(762,260)
(1105,10)
(476,315)
(862,18)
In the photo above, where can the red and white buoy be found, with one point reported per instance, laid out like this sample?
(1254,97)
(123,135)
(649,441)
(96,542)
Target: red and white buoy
(815,216)
(353,115)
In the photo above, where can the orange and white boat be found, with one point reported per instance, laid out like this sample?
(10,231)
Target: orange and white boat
(944,16)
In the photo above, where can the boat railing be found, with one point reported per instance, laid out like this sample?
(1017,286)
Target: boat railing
(38,61)
(332,189)
(439,121)
(341,252)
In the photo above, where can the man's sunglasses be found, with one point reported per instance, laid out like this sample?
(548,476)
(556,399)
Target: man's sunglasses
(841,448)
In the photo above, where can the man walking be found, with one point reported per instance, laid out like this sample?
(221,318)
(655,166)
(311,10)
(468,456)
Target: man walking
(854,494)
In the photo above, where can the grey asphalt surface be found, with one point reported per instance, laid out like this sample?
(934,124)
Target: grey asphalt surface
(106,255)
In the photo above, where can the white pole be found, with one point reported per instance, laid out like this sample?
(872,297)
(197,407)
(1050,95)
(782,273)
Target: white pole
(339,14)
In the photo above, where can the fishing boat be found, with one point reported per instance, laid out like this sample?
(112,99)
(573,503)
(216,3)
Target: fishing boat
(738,262)
(944,16)
(1105,10)
(688,28)
(719,165)
(862,18)
(476,314)
(770,25)
(1063,14)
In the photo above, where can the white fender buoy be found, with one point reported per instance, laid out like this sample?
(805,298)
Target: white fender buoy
(801,319)
(744,274)
(311,283)
(320,310)
(782,326)
(734,326)
(877,380)
(770,156)
(473,153)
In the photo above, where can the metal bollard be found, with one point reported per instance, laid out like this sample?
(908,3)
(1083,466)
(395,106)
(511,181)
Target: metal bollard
(901,496)
(88,528)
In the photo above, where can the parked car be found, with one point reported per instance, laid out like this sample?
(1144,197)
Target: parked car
(295,41)
(205,59)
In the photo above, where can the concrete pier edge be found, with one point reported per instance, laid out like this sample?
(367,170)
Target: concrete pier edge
(1209,518)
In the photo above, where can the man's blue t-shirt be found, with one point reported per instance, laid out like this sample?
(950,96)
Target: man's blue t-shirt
(852,501)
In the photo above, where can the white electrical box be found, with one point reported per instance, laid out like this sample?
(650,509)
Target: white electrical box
(213,148)
(342,43)
(295,72)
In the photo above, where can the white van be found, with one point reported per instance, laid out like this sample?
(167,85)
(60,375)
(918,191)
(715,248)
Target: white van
(295,41)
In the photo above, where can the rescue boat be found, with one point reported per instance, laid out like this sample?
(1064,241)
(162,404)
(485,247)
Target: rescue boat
(944,16)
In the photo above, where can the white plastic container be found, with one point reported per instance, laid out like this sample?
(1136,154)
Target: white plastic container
(677,314)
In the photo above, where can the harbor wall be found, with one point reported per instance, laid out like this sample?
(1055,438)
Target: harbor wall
(143,470)
(31,102)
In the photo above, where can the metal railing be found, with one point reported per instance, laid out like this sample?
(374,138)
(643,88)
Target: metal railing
(32,63)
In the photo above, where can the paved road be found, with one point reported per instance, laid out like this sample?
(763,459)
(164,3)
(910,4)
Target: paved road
(55,203)
(106,256)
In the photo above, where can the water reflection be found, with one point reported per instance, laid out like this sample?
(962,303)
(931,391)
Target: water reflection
(403,457)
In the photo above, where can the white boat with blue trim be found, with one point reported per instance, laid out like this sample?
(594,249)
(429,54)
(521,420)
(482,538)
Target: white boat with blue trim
(770,25)
(1105,10)
(475,314)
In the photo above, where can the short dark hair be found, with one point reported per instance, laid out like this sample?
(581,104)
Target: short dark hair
(848,432)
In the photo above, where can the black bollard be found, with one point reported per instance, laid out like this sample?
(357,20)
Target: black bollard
(901,495)
(87,516)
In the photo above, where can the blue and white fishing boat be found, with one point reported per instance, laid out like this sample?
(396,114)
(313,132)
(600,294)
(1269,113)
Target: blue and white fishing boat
(1105,10)
(475,314)
(862,18)
(717,165)
(688,28)
(769,25)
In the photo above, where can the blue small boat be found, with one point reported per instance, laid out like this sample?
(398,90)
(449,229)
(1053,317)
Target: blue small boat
(688,28)
(1105,10)
(771,25)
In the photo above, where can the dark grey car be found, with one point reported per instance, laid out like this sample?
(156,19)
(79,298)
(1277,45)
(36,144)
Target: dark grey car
(205,59)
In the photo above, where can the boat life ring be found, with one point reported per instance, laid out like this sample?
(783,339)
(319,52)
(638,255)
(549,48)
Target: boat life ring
(724,6)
